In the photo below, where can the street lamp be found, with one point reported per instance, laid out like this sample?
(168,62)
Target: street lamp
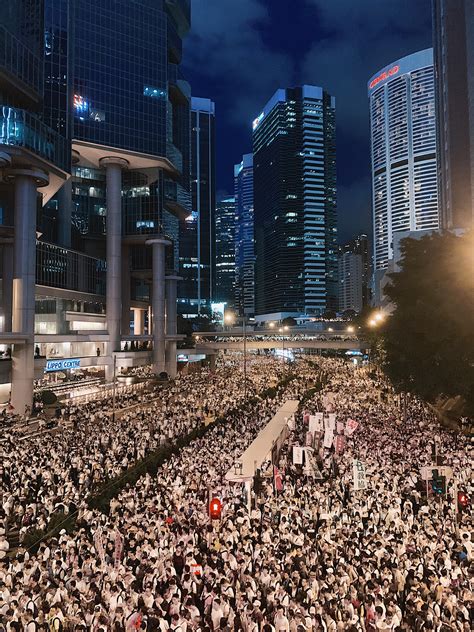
(271,325)
(350,329)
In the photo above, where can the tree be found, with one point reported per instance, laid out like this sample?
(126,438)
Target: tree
(289,321)
(429,338)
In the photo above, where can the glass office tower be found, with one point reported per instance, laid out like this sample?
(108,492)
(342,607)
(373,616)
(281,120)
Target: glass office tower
(453,41)
(225,252)
(244,237)
(404,167)
(197,231)
(295,204)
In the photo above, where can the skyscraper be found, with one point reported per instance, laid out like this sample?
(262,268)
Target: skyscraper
(91,89)
(403,135)
(354,274)
(225,252)
(197,231)
(453,40)
(295,203)
(244,237)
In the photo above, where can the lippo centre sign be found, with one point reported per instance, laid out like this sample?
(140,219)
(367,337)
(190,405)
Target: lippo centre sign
(62,365)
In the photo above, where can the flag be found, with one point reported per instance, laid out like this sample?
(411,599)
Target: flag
(277,479)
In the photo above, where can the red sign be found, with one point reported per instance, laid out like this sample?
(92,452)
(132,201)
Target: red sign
(215,509)
(340,444)
(384,75)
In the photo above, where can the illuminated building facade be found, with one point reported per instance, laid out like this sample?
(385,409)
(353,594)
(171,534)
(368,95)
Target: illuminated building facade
(225,252)
(295,204)
(403,137)
(197,230)
(453,41)
(244,237)
(96,115)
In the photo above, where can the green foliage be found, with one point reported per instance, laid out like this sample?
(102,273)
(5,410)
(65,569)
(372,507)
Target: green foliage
(57,523)
(428,341)
(48,397)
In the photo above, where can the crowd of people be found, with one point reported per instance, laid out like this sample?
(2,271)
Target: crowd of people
(307,553)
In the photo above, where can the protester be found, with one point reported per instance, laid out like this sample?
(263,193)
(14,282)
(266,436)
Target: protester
(312,554)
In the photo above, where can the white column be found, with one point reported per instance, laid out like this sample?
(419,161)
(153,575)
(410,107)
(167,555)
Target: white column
(24,278)
(113,166)
(158,302)
(171,323)
(126,290)
(7,285)
(138,321)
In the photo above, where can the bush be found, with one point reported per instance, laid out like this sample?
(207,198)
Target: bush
(48,397)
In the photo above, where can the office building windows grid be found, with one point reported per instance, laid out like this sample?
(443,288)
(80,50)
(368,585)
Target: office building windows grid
(403,134)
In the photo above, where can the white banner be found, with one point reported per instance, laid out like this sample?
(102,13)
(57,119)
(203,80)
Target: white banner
(351,427)
(328,438)
(340,427)
(316,422)
(297,455)
(360,479)
(331,421)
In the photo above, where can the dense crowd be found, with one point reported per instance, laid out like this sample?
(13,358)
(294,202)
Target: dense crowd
(49,473)
(312,553)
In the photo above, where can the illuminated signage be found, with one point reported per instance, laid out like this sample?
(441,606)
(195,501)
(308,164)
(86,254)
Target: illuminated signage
(84,109)
(384,75)
(258,120)
(62,365)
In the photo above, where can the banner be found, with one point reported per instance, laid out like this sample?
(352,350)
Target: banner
(306,417)
(309,439)
(340,427)
(328,438)
(99,544)
(316,422)
(331,421)
(118,549)
(351,427)
(360,480)
(277,479)
(297,455)
(340,444)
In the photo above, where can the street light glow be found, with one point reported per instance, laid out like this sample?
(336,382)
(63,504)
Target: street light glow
(350,329)
(271,325)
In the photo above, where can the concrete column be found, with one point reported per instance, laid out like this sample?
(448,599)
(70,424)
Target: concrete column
(7,285)
(138,321)
(158,303)
(24,277)
(171,323)
(113,166)
(64,196)
(125,291)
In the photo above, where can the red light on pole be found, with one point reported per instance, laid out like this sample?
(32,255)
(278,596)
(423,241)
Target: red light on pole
(215,509)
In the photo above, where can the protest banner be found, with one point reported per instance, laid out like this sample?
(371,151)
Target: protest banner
(340,444)
(331,421)
(359,473)
(316,422)
(340,427)
(309,438)
(328,437)
(297,455)
(99,544)
(118,549)
(351,427)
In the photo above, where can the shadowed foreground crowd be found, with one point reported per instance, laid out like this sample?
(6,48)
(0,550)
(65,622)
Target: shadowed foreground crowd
(316,555)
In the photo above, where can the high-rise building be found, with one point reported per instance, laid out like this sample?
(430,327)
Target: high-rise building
(453,40)
(244,237)
(403,134)
(95,113)
(197,230)
(295,203)
(225,252)
(350,282)
(354,274)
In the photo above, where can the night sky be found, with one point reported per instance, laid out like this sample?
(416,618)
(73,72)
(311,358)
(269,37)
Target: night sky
(240,51)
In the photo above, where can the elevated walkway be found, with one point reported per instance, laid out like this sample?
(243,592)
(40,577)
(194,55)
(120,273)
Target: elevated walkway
(260,450)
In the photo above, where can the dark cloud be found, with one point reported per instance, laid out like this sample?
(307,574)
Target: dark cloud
(226,43)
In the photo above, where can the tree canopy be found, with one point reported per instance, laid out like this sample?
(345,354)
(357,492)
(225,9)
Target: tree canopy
(429,338)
